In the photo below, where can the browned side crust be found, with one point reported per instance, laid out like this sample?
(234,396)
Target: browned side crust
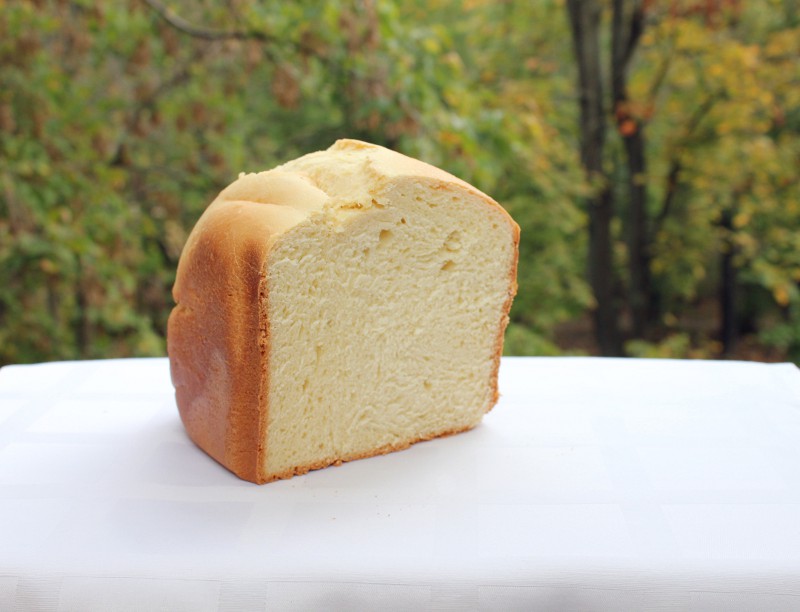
(213,334)
(498,352)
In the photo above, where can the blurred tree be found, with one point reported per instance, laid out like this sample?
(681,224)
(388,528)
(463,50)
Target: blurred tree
(726,158)
(702,87)
(119,122)
(586,22)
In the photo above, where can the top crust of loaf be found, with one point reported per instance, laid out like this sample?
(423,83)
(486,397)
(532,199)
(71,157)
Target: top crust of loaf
(218,334)
(345,178)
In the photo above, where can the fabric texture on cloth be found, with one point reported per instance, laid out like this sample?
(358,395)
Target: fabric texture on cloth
(595,484)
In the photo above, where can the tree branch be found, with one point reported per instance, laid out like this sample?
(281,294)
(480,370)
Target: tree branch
(675,169)
(182,25)
(627,26)
(700,113)
(636,29)
(676,166)
(180,76)
(211,34)
(663,70)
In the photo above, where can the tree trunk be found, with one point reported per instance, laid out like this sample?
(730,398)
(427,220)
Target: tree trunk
(83,328)
(584,18)
(627,26)
(729,328)
(641,298)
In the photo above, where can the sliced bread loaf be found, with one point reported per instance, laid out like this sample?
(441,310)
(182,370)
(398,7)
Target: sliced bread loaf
(346,304)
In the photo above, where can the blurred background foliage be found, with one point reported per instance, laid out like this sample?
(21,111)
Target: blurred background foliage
(119,123)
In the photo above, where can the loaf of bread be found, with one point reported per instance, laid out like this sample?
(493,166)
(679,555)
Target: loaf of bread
(346,304)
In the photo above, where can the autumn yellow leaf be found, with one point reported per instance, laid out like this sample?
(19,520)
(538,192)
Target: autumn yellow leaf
(781,295)
(741,219)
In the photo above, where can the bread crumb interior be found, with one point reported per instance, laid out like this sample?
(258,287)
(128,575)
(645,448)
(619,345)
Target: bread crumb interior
(383,326)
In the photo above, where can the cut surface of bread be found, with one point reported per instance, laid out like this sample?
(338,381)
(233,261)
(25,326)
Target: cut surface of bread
(346,304)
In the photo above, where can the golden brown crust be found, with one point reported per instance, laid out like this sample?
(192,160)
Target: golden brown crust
(498,353)
(218,334)
(213,335)
(263,403)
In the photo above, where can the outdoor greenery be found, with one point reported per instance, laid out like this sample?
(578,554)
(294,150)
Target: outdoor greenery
(649,150)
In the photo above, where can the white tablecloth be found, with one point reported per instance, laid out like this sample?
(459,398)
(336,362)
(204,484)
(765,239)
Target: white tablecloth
(595,484)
